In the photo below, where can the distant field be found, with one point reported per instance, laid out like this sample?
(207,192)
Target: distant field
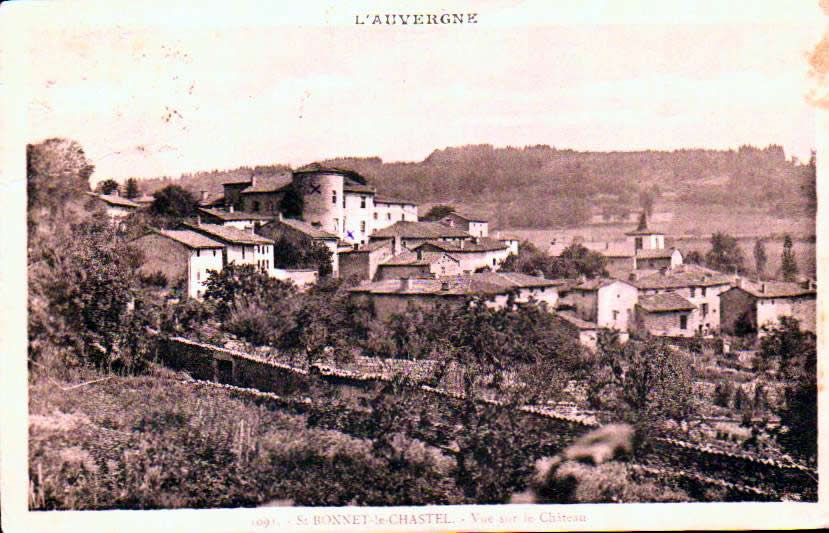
(805,249)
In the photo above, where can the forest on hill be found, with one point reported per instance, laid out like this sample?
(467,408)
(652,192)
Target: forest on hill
(543,186)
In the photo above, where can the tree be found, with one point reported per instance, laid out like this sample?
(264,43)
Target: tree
(57,172)
(643,383)
(132,189)
(788,263)
(576,260)
(723,393)
(530,260)
(107,186)
(309,254)
(725,254)
(646,202)
(173,201)
(694,257)
(794,353)
(760,258)
(292,203)
(242,284)
(439,211)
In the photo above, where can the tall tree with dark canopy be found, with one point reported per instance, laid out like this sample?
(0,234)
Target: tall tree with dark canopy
(760,258)
(575,261)
(57,171)
(788,263)
(439,211)
(725,254)
(132,189)
(292,204)
(174,201)
(107,186)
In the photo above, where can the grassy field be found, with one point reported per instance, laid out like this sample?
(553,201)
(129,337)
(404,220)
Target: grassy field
(693,233)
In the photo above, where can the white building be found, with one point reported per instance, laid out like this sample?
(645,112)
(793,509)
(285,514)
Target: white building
(475,226)
(242,247)
(607,303)
(116,207)
(388,210)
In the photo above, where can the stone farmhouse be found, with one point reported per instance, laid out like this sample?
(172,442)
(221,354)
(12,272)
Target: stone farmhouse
(237,219)
(116,207)
(475,226)
(604,303)
(664,314)
(418,264)
(181,255)
(302,234)
(700,287)
(748,307)
(394,296)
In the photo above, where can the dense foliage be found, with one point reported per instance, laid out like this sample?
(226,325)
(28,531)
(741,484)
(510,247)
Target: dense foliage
(288,253)
(107,186)
(174,201)
(725,254)
(793,353)
(788,263)
(132,190)
(574,261)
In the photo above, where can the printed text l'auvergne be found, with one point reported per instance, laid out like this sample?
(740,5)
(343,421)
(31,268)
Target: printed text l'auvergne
(394,19)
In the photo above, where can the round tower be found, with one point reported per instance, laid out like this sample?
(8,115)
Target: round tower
(322,194)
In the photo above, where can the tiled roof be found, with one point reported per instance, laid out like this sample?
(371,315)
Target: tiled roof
(269,183)
(660,253)
(306,228)
(483,244)
(228,234)
(516,279)
(238,177)
(349,185)
(469,217)
(687,275)
(413,258)
(383,199)
(645,231)
(504,236)
(370,247)
(777,289)
(316,167)
(595,284)
(111,199)
(191,239)
(446,286)
(418,230)
(235,215)
(664,302)
(576,321)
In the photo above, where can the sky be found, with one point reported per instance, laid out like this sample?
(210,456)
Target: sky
(175,88)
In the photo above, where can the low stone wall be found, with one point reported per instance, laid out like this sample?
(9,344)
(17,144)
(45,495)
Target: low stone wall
(742,476)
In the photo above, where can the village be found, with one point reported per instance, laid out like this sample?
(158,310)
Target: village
(394,259)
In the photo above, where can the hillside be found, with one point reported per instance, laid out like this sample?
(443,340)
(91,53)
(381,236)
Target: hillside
(542,186)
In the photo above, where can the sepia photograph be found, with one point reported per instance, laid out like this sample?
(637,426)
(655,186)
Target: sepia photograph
(411,266)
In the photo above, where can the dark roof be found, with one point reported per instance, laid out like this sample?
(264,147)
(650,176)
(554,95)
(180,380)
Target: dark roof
(595,284)
(412,259)
(349,185)
(645,231)
(235,215)
(516,279)
(469,217)
(468,285)
(318,168)
(656,253)
(483,244)
(366,248)
(683,276)
(238,177)
(111,199)
(306,228)
(570,317)
(228,234)
(188,238)
(665,302)
(777,289)
(383,199)
(269,183)
(418,230)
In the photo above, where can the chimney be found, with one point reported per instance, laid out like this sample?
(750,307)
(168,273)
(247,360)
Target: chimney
(230,208)
(253,180)
(763,287)
(405,283)
(116,192)
(204,196)
(476,240)
(462,241)
(198,220)
(738,281)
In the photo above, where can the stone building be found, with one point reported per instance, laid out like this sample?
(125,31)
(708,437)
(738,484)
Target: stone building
(748,307)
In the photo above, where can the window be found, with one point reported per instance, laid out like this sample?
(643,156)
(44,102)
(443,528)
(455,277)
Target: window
(362,202)
(403,216)
(702,291)
(362,226)
(615,315)
(638,243)
(256,207)
(704,309)
(493,261)
(336,223)
(243,252)
(198,253)
(388,216)
(683,321)
(334,197)
(214,253)
(375,215)
(198,276)
(693,291)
